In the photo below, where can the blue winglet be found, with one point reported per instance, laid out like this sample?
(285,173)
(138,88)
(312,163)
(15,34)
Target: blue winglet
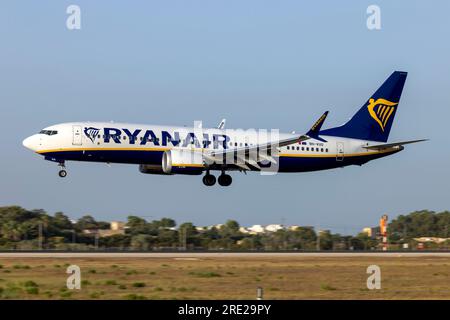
(315,129)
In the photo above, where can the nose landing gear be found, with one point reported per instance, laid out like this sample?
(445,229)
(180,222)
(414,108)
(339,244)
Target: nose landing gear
(62,172)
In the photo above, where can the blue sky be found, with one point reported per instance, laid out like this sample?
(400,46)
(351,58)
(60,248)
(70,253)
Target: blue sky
(260,64)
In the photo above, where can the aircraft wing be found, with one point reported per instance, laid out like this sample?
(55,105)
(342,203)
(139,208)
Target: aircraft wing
(250,155)
(391,145)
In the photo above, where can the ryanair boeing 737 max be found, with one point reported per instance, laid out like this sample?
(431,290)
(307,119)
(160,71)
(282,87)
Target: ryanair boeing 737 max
(170,150)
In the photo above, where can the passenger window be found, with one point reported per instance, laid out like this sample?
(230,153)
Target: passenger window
(307,148)
(288,147)
(321,149)
(326,150)
(303,148)
(317,149)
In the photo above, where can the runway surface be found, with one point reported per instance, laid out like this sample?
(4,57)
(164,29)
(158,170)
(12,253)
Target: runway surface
(187,255)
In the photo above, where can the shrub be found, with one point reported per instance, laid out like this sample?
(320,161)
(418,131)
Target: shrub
(274,289)
(30,284)
(110,282)
(139,284)
(131,272)
(32,290)
(327,287)
(135,297)
(205,274)
(66,294)
(19,266)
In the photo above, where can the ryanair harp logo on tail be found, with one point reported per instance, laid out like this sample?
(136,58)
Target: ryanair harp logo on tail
(381,110)
(91,133)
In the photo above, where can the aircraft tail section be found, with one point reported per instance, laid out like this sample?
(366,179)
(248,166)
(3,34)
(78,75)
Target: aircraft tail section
(374,120)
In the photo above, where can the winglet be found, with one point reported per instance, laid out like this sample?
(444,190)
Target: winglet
(315,129)
(221,125)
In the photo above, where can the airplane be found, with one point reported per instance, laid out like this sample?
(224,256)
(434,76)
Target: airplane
(169,150)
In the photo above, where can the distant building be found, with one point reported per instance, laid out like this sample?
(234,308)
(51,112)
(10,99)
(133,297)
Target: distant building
(255,229)
(217,226)
(371,232)
(116,227)
(273,227)
(431,239)
(244,230)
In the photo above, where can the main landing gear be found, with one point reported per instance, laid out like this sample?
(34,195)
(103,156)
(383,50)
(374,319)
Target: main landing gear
(209,180)
(224,179)
(62,172)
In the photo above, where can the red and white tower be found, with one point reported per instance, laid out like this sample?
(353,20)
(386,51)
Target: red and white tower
(383,231)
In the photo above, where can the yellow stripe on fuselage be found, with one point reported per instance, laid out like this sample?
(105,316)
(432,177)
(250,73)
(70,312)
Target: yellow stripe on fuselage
(299,155)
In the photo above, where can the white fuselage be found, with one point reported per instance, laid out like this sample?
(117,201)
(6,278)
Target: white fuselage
(144,144)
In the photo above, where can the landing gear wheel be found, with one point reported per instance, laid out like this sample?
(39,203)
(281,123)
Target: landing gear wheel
(62,173)
(225,180)
(209,180)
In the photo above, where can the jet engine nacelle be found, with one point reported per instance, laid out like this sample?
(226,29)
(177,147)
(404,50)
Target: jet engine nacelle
(151,169)
(182,161)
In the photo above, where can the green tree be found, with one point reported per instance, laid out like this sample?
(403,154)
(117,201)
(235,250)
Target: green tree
(86,222)
(141,242)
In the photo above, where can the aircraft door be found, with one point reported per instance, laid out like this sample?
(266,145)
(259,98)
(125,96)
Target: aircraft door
(339,151)
(76,130)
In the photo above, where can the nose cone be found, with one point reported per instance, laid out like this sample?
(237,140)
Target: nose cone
(30,143)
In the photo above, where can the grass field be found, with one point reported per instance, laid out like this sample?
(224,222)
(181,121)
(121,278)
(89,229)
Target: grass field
(226,278)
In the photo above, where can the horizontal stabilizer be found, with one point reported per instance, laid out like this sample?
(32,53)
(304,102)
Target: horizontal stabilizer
(391,145)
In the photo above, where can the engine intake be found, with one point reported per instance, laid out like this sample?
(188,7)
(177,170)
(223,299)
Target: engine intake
(182,162)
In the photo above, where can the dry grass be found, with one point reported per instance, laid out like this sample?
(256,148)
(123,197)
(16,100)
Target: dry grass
(226,278)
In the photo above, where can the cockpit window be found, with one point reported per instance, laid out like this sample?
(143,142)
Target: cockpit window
(49,132)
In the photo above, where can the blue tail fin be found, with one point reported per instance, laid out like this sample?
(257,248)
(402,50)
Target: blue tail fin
(374,120)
